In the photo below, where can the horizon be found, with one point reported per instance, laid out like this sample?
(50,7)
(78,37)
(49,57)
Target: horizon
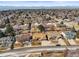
(39,3)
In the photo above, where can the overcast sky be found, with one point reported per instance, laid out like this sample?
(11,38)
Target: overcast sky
(39,3)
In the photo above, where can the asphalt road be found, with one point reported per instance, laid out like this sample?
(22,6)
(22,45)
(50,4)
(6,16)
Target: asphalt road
(27,50)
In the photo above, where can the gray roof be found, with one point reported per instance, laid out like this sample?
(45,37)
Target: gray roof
(70,34)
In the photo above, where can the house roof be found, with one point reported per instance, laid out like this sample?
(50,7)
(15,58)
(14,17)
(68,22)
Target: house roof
(70,34)
(23,37)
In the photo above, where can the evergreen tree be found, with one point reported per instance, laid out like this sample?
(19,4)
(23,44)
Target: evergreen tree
(41,28)
(1,34)
(10,32)
(7,21)
(73,29)
(78,34)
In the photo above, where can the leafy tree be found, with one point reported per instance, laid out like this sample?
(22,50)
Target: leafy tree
(41,28)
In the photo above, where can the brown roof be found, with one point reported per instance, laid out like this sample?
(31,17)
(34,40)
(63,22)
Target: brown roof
(23,37)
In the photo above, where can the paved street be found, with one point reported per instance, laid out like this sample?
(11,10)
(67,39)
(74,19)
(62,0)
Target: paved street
(27,50)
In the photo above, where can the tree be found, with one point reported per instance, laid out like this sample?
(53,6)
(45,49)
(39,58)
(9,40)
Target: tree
(73,29)
(46,37)
(1,34)
(10,32)
(13,42)
(41,28)
(61,22)
(22,22)
(29,24)
(78,34)
(29,27)
(7,21)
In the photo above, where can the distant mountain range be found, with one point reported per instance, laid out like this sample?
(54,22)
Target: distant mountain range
(37,7)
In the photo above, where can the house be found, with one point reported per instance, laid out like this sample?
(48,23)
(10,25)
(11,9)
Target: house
(36,43)
(24,37)
(3,29)
(16,27)
(76,26)
(6,41)
(34,29)
(47,43)
(69,24)
(19,27)
(17,44)
(61,42)
(69,34)
(39,36)
(72,53)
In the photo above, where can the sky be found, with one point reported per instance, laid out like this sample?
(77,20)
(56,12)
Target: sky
(39,3)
